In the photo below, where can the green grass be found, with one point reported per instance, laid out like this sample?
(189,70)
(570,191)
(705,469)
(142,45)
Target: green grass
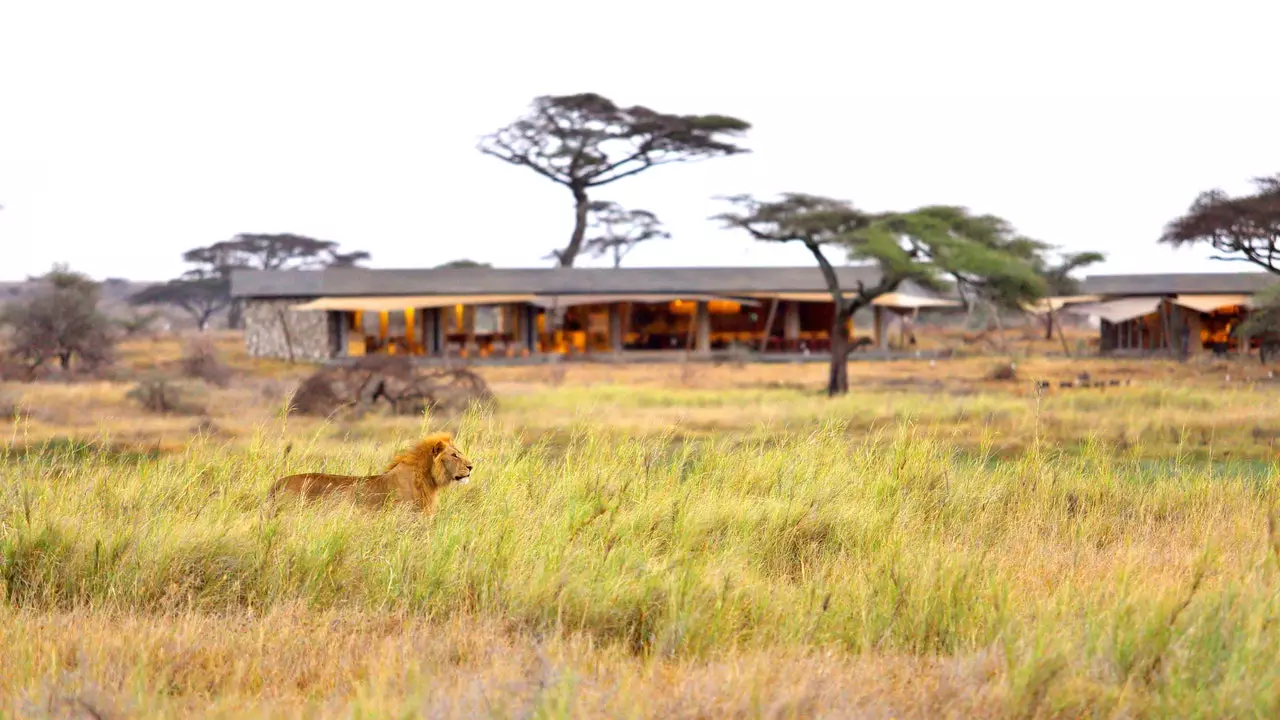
(1104,581)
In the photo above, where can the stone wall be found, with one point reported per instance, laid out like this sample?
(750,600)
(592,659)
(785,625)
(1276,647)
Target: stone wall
(309,332)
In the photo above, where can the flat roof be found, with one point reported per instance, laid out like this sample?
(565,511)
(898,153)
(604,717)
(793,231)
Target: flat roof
(722,281)
(1178,283)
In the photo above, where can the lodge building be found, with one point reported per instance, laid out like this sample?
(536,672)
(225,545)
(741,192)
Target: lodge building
(504,314)
(500,313)
(1169,313)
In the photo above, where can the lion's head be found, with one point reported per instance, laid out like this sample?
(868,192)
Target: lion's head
(436,461)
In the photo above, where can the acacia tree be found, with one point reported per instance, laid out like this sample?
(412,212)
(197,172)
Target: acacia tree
(930,247)
(1059,277)
(1011,293)
(584,141)
(60,322)
(208,283)
(261,251)
(1239,229)
(464,263)
(619,230)
(202,298)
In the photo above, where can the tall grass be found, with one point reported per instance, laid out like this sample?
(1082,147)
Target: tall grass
(1104,583)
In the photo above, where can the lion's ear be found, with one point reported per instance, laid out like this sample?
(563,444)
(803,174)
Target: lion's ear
(438,446)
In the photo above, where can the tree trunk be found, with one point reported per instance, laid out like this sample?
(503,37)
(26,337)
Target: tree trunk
(995,312)
(838,376)
(1048,325)
(235,316)
(582,204)
(64,359)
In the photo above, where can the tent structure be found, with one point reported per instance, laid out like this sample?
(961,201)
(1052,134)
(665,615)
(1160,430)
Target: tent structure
(378,303)
(1210,303)
(1118,311)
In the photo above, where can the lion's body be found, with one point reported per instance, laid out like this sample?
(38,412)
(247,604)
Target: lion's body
(415,476)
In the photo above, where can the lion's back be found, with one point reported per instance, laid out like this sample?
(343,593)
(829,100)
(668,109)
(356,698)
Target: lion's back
(316,484)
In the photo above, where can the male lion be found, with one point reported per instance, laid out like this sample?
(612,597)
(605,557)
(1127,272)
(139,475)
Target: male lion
(414,476)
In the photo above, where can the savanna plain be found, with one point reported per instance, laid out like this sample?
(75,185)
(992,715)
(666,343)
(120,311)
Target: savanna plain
(665,541)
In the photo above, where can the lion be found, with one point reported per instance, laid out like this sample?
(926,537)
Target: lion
(415,476)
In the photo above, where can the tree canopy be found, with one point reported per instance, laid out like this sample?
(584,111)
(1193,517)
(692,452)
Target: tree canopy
(205,289)
(282,251)
(584,141)
(202,298)
(464,263)
(935,247)
(1240,229)
(60,321)
(617,230)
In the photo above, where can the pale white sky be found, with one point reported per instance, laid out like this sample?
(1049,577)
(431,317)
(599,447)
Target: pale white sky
(131,131)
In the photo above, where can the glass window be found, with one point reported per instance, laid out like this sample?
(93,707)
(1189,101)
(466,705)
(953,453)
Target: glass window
(488,319)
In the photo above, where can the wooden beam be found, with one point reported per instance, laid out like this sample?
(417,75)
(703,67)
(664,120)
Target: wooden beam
(768,324)
(702,319)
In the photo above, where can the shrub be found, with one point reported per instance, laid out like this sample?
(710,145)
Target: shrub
(202,361)
(162,395)
(1003,371)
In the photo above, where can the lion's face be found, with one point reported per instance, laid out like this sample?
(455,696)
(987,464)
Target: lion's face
(452,466)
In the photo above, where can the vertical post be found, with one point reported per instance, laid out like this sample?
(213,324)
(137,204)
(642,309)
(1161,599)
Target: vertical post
(338,333)
(409,335)
(426,329)
(768,324)
(439,338)
(1166,326)
(882,338)
(702,318)
(469,327)
(615,328)
(530,318)
(791,325)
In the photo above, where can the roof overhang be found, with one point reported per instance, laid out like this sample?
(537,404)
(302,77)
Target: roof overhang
(912,302)
(1122,309)
(377,303)
(890,300)
(547,301)
(1209,303)
(1051,304)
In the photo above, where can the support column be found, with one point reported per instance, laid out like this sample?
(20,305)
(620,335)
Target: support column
(881,337)
(469,329)
(520,328)
(702,337)
(530,318)
(791,325)
(437,330)
(615,327)
(425,319)
(337,322)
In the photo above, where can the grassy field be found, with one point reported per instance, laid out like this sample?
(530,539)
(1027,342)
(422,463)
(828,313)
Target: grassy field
(658,541)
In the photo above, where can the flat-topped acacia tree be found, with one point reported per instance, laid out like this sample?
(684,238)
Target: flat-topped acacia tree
(1239,229)
(584,141)
(933,247)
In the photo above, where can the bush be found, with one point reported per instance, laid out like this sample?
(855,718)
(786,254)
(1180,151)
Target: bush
(1003,371)
(202,361)
(164,396)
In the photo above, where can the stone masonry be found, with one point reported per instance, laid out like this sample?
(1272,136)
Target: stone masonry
(308,332)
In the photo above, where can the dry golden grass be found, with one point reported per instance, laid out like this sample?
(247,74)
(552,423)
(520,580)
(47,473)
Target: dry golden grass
(299,663)
(659,541)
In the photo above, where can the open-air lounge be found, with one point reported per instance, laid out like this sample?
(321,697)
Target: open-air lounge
(483,313)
